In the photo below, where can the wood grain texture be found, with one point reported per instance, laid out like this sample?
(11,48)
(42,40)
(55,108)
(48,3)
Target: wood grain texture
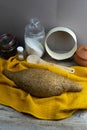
(13,120)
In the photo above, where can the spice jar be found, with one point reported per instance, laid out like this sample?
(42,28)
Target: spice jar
(20,51)
(8,45)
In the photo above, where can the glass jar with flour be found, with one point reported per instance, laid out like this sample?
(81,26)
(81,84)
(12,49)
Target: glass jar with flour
(34,37)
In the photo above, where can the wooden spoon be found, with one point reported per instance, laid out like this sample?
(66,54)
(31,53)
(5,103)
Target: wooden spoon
(36,59)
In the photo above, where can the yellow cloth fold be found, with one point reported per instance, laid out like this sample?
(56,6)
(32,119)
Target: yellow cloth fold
(56,107)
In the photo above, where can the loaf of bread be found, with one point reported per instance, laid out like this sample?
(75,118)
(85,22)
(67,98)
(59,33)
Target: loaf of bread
(42,82)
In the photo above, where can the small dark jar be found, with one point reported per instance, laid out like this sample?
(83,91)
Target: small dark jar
(8,45)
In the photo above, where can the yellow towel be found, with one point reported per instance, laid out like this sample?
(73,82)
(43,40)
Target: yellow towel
(56,107)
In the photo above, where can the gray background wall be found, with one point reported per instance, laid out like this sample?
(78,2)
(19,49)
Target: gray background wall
(15,14)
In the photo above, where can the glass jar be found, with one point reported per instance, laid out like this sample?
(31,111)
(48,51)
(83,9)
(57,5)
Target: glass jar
(20,53)
(34,36)
(8,45)
(35,30)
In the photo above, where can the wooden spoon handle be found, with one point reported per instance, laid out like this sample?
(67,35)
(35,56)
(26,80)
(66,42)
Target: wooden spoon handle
(36,59)
(69,69)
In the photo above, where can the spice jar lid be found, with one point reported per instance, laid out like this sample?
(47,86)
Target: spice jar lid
(20,49)
(82,52)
